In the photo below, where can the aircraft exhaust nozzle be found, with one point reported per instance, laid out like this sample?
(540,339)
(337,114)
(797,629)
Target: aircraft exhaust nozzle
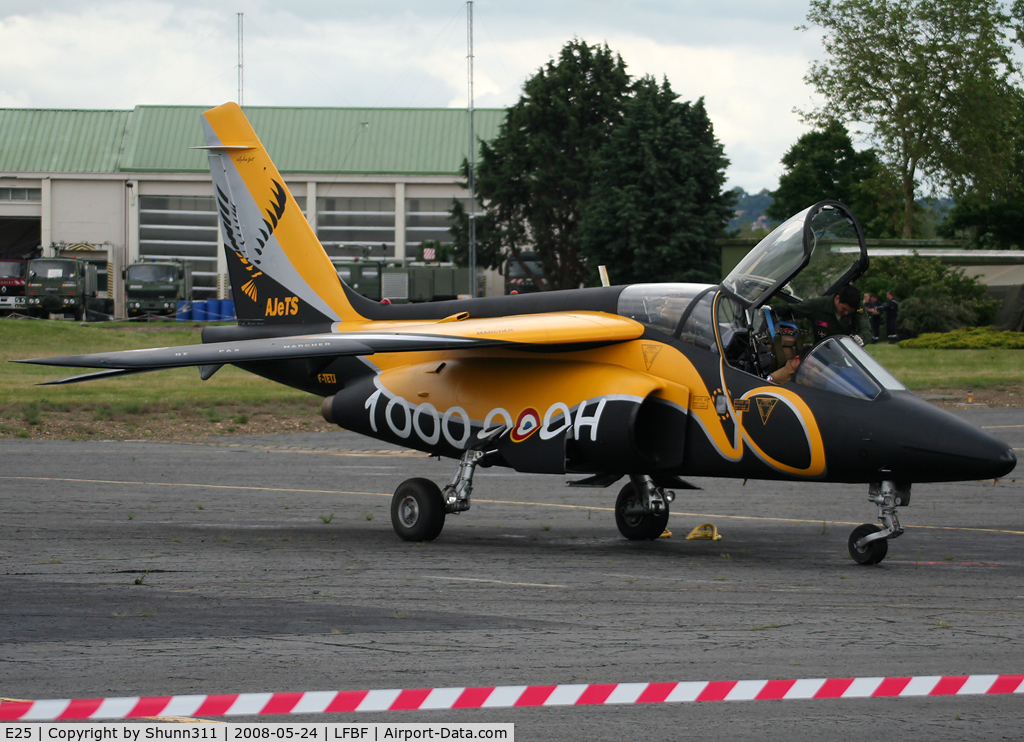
(325,409)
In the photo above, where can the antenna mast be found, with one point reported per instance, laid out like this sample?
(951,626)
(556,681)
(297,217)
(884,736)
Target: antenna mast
(472,154)
(240,65)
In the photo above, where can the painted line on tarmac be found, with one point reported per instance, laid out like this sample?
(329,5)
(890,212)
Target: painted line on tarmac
(495,582)
(276,448)
(510,696)
(491,502)
(197,486)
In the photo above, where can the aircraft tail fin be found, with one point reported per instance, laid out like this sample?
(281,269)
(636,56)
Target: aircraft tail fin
(279,271)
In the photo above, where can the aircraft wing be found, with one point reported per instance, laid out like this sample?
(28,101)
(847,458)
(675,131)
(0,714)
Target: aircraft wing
(550,331)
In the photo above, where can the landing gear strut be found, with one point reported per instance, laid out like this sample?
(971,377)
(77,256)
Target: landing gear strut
(641,509)
(869,543)
(419,506)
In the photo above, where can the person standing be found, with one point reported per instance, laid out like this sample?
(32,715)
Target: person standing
(871,305)
(892,308)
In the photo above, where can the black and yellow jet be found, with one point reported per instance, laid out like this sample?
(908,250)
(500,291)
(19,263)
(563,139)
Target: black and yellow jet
(652,382)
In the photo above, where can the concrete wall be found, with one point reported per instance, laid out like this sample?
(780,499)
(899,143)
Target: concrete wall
(88,211)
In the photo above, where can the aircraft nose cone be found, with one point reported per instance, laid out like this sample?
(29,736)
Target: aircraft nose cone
(927,444)
(1007,461)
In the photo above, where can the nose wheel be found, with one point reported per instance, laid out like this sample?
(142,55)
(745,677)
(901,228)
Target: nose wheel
(869,543)
(870,552)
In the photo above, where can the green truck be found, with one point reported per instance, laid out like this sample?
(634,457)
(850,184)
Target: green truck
(405,284)
(517,280)
(156,287)
(59,286)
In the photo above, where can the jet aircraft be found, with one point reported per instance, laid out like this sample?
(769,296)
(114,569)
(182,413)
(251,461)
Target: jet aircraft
(648,382)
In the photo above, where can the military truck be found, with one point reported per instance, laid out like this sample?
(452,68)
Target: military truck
(12,286)
(363,277)
(402,284)
(59,286)
(156,287)
(416,283)
(516,277)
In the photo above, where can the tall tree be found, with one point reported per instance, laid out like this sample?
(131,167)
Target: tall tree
(930,78)
(994,218)
(535,176)
(822,164)
(658,203)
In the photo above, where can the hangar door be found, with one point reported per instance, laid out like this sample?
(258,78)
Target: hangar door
(19,237)
(20,224)
(182,228)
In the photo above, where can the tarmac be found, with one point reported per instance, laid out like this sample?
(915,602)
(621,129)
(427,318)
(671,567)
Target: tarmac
(268,563)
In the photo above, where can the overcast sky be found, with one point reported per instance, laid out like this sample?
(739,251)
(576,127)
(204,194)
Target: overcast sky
(744,56)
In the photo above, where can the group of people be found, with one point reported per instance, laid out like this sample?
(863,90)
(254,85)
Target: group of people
(873,308)
(833,315)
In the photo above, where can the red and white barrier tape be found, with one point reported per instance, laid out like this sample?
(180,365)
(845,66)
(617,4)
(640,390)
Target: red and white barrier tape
(507,696)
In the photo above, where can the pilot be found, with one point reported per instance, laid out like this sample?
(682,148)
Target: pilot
(784,346)
(787,371)
(829,315)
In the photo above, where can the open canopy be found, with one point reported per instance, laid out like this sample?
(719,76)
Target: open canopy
(803,256)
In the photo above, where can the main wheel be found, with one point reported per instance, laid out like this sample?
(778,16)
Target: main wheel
(872,552)
(643,527)
(417,510)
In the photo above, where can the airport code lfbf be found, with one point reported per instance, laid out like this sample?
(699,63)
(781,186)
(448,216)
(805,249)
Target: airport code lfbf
(199,729)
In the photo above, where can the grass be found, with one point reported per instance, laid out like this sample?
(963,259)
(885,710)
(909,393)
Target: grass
(234,395)
(966,369)
(176,391)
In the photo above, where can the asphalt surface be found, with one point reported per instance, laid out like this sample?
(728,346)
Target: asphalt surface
(268,563)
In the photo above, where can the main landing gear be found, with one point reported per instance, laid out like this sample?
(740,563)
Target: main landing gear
(419,506)
(641,509)
(869,542)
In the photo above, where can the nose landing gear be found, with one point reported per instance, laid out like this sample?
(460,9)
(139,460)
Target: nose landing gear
(869,542)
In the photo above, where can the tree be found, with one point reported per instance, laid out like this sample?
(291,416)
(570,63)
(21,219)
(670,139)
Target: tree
(995,219)
(535,176)
(657,204)
(931,78)
(824,165)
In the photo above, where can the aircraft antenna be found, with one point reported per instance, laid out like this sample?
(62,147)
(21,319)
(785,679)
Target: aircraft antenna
(240,65)
(472,153)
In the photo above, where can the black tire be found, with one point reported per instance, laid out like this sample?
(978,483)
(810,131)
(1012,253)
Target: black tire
(646,527)
(79,312)
(417,510)
(873,551)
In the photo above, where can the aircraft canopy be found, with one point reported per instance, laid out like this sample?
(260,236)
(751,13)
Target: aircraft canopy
(802,256)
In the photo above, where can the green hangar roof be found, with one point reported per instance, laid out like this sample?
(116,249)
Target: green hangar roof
(409,141)
(61,141)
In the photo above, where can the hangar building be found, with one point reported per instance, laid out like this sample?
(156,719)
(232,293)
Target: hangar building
(117,186)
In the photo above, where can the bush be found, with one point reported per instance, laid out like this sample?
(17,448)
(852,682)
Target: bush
(971,338)
(918,316)
(933,297)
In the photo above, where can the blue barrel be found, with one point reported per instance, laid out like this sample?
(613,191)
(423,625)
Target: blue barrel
(227,309)
(213,310)
(199,311)
(184,311)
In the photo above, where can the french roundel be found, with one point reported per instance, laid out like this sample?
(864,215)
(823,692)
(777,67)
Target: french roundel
(527,424)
